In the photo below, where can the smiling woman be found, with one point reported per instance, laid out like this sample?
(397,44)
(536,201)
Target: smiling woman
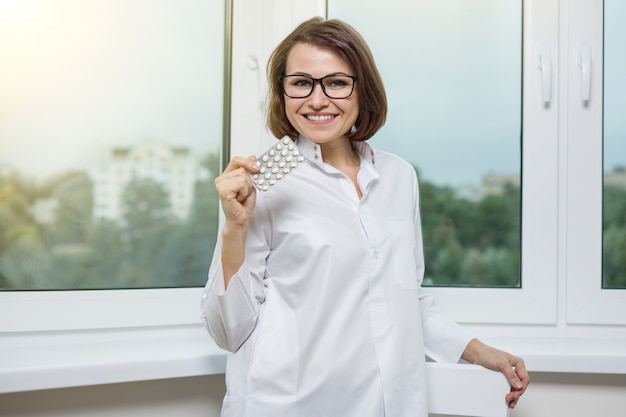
(110,137)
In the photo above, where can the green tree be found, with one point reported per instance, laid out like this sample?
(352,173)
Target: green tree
(21,247)
(614,237)
(149,227)
(614,258)
(107,257)
(200,234)
(470,242)
(73,214)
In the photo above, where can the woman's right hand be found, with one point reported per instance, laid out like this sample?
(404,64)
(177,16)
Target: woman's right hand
(236,191)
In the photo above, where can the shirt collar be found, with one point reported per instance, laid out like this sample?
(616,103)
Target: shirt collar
(312,151)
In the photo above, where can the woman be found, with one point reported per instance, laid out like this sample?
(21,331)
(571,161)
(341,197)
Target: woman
(315,284)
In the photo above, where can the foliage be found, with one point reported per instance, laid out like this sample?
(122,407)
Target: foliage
(467,242)
(614,238)
(148,248)
(471,243)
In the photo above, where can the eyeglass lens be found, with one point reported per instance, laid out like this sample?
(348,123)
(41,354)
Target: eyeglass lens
(334,86)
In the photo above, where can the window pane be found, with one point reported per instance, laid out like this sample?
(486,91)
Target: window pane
(111,130)
(453,71)
(614,221)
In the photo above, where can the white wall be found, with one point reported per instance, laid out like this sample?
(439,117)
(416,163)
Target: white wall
(549,395)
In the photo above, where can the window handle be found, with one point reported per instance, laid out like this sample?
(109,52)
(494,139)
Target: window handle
(254,63)
(584,63)
(544,63)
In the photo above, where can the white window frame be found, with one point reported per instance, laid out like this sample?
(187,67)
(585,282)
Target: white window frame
(556,195)
(587,302)
(534,303)
(561,194)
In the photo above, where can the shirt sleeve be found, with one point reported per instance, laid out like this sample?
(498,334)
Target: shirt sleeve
(230,314)
(444,339)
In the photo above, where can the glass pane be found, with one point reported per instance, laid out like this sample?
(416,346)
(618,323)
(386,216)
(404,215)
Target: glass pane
(614,222)
(110,134)
(453,74)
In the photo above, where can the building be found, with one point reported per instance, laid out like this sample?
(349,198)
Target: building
(616,177)
(174,168)
(494,184)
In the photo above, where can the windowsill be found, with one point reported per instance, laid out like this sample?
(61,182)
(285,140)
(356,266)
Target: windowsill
(54,360)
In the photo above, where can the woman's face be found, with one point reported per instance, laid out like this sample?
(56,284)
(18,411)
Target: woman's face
(317,117)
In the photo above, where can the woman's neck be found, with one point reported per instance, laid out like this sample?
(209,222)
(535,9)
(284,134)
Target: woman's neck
(340,154)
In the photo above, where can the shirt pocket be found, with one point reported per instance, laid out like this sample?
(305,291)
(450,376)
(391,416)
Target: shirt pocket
(406,255)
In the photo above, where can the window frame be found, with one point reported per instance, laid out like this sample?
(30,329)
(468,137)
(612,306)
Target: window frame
(556,197)
(587,301)
(537,295)
(54,311)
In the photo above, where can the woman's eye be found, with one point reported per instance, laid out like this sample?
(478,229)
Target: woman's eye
(302,83)
(337,83)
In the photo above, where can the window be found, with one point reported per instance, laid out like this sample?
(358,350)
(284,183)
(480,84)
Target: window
(595,146)
(455,97)
(111,120)
(560,160)
(112,132)
(466,109)
(614,207)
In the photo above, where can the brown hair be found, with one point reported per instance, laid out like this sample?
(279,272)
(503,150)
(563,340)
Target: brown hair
(350,45)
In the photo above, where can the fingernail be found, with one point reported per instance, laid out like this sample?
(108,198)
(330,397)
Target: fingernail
(518,385)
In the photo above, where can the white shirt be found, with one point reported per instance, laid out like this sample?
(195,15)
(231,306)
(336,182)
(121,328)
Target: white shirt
(326,317)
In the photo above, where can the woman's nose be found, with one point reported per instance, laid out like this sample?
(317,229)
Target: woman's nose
(318,97)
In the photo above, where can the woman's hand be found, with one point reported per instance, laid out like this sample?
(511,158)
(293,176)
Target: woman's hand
(238,197)
(236,191)
(511,366)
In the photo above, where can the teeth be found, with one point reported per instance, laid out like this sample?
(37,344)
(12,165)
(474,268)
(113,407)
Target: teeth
(318,118)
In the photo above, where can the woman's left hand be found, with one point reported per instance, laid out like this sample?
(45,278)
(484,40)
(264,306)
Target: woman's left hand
(511,366)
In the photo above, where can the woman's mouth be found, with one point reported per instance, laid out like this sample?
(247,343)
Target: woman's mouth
(320,118)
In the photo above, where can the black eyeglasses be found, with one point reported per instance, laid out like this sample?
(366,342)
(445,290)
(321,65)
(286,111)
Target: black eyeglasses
(336,86)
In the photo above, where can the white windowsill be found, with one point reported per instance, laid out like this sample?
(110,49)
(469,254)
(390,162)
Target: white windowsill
(54,360)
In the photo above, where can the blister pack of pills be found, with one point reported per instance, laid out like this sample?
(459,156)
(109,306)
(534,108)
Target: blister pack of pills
(275,163)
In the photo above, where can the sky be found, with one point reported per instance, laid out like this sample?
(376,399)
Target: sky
(452,70)
(614,84)
(452,76)
(80,77)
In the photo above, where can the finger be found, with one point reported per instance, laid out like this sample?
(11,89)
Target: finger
(245,190)
(516,391)
(234,185)
(241,162)
(512,402)
(522,374)
(511,376)
(230,173)
(513,398)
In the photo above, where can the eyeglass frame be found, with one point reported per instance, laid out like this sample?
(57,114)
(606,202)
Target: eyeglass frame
(319,81)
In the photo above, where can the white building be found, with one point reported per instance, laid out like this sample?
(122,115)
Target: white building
(494,184)
(174,168)
(616,177)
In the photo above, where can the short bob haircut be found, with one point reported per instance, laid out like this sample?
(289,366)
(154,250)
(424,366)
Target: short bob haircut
(350,45)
